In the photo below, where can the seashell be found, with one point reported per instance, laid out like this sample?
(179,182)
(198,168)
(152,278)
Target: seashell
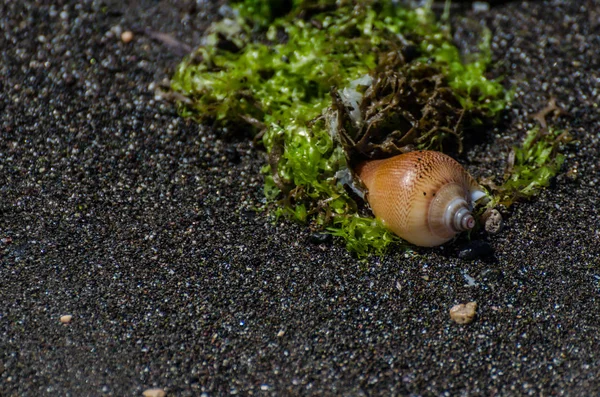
(493,221)
(425,197)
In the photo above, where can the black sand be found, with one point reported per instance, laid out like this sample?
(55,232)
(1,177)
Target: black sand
(141,226)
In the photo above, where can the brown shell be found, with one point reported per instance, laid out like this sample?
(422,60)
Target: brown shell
(411,193)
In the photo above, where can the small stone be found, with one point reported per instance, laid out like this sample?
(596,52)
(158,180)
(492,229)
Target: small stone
(493,221)
(126,36)
(66,319)
(573,172)
(463,313)
(475,249)
(154,393)
(480,6)
(321,238)
(280,333)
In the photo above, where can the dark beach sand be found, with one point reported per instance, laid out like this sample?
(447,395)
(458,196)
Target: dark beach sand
(141,226)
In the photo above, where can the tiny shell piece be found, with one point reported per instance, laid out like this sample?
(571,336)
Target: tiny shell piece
(493,222)
(154,393)
(126,36)
(463,313)
(66,319)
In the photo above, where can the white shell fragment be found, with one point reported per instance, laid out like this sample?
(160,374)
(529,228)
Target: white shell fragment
(154,393)
(493,221)
(351,97)
(66,319)
(126,36)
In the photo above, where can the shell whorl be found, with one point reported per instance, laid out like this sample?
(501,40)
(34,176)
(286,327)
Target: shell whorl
(425,197)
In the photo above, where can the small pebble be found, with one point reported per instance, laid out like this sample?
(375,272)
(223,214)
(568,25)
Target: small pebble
(475,249)
(493,221)
(572,173)
(463,313)
(480,6)
(126,36)
(66,319)
(154,393)
(321,238)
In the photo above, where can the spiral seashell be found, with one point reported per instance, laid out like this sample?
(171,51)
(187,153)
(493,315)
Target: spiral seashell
(425,197)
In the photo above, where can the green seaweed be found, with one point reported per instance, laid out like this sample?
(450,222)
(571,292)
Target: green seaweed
(363,235)
(531,166)
(272,74)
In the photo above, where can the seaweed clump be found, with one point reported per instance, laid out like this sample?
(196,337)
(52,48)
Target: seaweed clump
(405,107)
(306,75)
(530,167)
